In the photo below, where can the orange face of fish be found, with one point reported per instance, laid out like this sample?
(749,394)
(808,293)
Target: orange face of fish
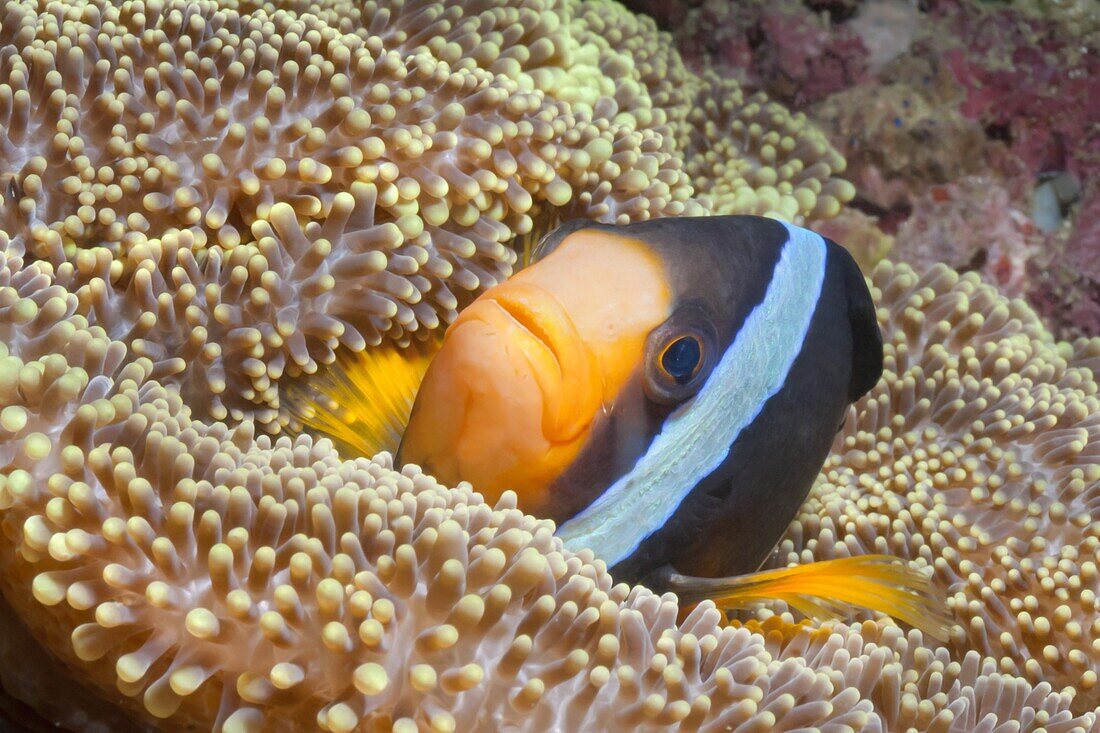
(527,369)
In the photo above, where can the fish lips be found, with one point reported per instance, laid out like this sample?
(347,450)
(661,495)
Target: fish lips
(509,398)
(561,362)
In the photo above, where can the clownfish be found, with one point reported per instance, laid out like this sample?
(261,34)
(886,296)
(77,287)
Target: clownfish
(665,391)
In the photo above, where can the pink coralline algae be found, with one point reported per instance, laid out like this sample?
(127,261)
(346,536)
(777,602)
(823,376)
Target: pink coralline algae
(1066,277)
(806,59)
(1029,82)
(899,141)
(972,224)
(797,56)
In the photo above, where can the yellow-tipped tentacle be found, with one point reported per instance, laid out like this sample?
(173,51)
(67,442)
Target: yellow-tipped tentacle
(831,589)
(363,400)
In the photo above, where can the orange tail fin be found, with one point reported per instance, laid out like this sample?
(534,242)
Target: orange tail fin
(831,589)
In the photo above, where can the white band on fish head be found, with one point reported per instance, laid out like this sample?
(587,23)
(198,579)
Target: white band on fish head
(697,437)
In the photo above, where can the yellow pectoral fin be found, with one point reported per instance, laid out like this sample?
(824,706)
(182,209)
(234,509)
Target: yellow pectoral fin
(831,589)
(362,401)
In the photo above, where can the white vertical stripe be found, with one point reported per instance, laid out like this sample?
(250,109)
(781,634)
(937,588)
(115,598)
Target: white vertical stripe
(697,437)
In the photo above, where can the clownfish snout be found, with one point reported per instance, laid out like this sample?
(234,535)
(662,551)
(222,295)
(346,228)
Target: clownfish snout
(514,385)
(560,361)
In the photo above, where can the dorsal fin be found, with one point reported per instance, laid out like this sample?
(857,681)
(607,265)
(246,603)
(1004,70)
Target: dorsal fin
(363,400)
(544,238)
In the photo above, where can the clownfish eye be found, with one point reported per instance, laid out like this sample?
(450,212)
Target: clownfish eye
(680,354)
(681,358)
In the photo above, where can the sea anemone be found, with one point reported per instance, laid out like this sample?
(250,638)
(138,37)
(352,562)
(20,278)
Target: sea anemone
(201,203)
(228,580)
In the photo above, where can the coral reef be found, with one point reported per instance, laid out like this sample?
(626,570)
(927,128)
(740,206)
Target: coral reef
(1065,288)
(901,143)
(921,97)
(1032,79)
(972,224)
(1024,74)
(797,56)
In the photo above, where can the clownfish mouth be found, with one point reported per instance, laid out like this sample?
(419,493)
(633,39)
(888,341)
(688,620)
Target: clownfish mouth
(524,317)
(564,367)
(516,384)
